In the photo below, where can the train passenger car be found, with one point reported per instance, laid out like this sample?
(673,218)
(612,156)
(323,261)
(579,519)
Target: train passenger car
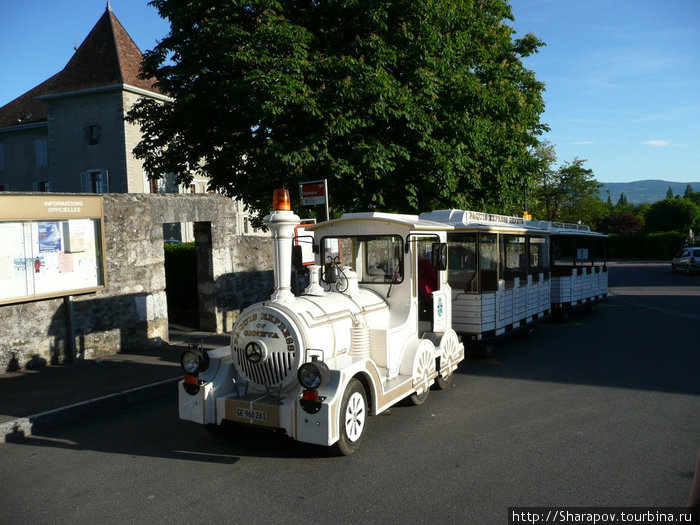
(579,269)
(373,327)
(499,273)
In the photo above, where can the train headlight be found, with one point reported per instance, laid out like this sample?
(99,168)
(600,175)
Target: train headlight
(193,362)
(313,374)
(189,361)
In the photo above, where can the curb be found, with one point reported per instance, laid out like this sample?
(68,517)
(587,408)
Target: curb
(22,427)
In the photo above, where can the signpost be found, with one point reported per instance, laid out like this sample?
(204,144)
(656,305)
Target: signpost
(314,193)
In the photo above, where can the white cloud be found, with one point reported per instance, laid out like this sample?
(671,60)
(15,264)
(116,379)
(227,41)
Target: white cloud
(657,143)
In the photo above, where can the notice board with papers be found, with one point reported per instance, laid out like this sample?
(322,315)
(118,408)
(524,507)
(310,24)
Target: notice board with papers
(51,245)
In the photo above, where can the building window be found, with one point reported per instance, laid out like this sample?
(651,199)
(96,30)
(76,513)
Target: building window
(93,134)
(94,181)
(42,156)
(2,159)
(43,186)
(4,187)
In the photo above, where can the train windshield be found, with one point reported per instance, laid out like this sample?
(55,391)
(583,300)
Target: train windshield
(375,258)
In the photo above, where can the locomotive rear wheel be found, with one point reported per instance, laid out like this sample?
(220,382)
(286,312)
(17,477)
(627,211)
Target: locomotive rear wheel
(443,383)
(353,417)
(419,399)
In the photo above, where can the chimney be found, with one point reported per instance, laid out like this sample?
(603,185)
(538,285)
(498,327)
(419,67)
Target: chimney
(281,222)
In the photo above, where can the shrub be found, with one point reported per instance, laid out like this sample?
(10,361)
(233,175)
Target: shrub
(660,246)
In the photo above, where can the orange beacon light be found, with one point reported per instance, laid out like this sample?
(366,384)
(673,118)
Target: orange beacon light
(280,200)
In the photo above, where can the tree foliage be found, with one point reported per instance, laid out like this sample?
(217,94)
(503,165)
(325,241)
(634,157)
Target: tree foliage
(620,222)
(406,106)
(672,215)
(569,194)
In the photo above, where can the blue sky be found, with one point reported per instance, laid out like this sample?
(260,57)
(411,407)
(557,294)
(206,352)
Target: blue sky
(622,76)
(622,84)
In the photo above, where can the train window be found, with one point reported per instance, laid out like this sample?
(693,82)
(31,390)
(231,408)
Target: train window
(488,262)
(514,259)
(539,257)
(462,261)
(375,258)
(383,260)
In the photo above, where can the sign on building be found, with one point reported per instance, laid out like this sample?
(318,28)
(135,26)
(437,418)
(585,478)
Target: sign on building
(51,245)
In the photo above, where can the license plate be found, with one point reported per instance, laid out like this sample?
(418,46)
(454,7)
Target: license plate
(254,415)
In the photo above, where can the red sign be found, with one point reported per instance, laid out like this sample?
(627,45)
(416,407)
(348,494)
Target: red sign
(313,193)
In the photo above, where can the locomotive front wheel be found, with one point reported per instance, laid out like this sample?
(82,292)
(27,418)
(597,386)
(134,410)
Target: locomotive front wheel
(217,430)
(353,417)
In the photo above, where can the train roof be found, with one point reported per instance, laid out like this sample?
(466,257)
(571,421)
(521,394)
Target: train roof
(567,228)
(475,220)
(403,221)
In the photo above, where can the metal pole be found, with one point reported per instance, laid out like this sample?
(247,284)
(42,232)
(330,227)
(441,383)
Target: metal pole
(325,188)
(70,327)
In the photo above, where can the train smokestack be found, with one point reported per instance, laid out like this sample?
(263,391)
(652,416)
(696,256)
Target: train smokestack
(281,222)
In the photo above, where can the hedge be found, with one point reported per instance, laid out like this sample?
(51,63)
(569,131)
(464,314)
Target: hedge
(659,246)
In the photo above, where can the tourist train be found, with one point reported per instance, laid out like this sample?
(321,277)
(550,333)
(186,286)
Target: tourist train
(507,273)
(389,300)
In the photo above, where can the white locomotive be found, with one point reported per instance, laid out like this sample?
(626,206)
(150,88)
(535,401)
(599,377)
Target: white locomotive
(373,327)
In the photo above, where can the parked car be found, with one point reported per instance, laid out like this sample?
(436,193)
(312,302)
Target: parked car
(687,260)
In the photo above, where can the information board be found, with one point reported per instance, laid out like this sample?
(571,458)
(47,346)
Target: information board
(50,246)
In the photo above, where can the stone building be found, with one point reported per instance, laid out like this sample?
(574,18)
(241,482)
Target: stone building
(68,134)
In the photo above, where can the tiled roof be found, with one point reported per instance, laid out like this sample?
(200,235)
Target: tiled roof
(107,57)
(26,108)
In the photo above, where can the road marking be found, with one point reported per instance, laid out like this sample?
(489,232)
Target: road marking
(661,309)
(690,291)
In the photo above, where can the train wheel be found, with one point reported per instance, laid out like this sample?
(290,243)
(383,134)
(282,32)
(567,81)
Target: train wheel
(452,354)
(443,383)
(353,416)
(424,373)
(418,399)
(214,429)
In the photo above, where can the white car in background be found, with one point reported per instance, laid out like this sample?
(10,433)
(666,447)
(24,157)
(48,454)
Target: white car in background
(687,260)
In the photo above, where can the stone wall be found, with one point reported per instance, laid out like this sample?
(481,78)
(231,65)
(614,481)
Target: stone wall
(131,313)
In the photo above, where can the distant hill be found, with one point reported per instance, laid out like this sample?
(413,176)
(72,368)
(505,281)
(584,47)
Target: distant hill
(641,191)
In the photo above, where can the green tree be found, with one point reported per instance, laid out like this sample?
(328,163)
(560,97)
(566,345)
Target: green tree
(569,194)
(543,193)
(406,106)
(669,193)
(620,222)
(623,205)
(672,215)
(691,195)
